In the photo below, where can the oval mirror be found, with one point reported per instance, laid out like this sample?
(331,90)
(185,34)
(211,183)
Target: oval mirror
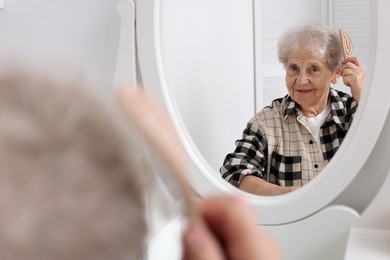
(163,74)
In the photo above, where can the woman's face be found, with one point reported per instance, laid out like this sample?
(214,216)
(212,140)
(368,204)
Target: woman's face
(308,80)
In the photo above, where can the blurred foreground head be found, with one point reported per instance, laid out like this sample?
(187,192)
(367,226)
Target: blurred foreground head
(68,184)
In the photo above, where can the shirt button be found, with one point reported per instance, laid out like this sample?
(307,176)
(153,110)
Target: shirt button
(311,142)
(316,166)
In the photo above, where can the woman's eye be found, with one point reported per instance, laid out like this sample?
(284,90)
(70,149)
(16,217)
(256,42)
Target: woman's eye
(293,69)
(315,69)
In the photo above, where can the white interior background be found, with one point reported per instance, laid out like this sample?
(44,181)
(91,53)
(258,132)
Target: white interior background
(222,55)
(73,34)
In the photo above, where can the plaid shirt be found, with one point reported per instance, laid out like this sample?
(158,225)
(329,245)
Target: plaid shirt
(278,147)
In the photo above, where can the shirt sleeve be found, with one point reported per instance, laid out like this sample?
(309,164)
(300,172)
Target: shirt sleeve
(351,105)
(249,157)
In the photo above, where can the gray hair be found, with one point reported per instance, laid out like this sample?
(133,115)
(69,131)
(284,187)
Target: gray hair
(68,183)
(321,40)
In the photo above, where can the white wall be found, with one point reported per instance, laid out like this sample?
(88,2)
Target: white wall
(81,34)
(210,64)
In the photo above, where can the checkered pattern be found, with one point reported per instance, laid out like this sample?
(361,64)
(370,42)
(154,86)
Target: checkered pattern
(278,147)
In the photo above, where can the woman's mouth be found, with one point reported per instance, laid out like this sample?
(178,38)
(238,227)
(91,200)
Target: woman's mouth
(303,90)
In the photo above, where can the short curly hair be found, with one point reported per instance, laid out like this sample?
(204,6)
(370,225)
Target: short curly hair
(68,188)
(321,40)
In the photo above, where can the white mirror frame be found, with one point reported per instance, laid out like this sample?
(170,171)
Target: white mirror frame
(336,176)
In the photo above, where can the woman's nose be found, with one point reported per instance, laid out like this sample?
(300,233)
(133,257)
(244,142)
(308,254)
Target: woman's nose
(302,79)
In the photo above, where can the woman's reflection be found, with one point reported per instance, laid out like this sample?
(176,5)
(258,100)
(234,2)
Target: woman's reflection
(288,143)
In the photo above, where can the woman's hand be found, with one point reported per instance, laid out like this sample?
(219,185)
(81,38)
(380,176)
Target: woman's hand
(354,76)
(229,231)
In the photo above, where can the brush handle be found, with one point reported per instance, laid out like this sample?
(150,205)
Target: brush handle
(151,119)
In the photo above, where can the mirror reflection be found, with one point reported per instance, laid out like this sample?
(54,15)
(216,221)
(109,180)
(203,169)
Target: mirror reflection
(289,142)
(224,71)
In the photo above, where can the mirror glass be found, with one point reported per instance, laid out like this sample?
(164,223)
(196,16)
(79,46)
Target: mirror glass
(221,60)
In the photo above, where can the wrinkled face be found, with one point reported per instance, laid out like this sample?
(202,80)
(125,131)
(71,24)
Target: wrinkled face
(308,80)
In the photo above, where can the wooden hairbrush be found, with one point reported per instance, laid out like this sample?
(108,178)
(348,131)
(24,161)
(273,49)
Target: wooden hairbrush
(346,43)
(151,119)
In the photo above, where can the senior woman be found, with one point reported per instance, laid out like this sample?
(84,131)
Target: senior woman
(288,143)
